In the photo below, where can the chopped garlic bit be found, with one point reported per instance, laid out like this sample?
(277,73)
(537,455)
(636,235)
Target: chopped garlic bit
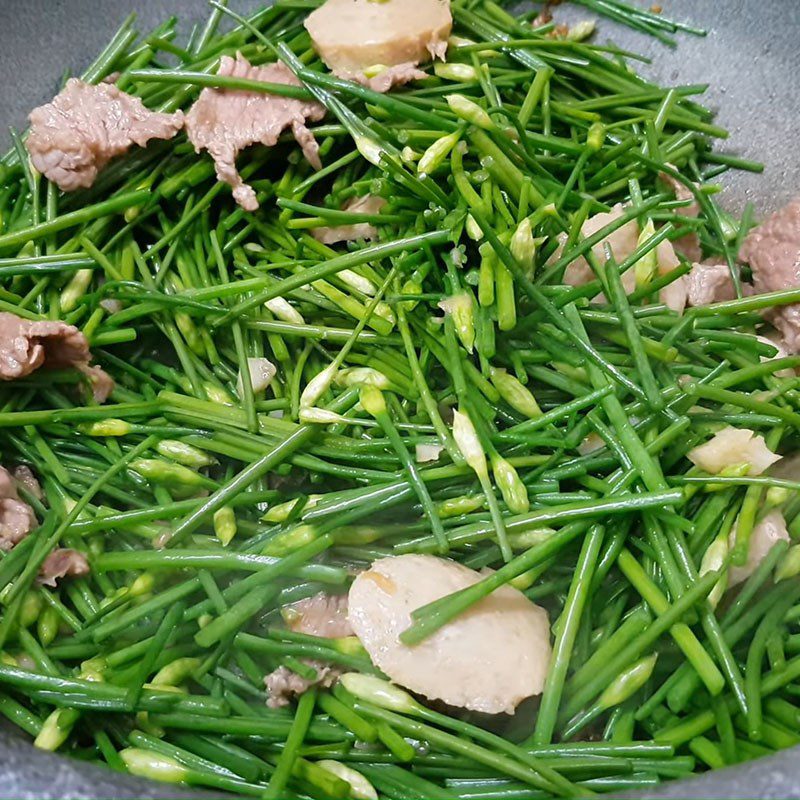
(488,659)
(262,371)
(732,447)
(427,452)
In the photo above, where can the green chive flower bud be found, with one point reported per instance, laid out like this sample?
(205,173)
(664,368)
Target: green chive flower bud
(107,427)
(469,111)
(474,230)
(148,764)
(176,672)
(372,400)
(203,620)
(437,153)
(285,311)
(75,289)
(225,524)
(468,443)
(581,30)
(47,625)
(407,155)
(369,149)
(318,385)
(524,581)
(776,496)
(184,454)
(217,394)
(459,308)
(515,393)
(321,416)
(790,566)
(360,787)
(288,541)
(647,266)
(456,506)
(262,371)
(31,609)
(523,245)
(527,539)
(280,512)
(450,71)
(511,487)
(167,473)
(143,585)
(357,282)
(713,561)
(190,333)
(596,136)
(56,729)
(628,682)
(379,692)
(362,376)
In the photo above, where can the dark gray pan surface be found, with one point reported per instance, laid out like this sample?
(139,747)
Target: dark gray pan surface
(752,61)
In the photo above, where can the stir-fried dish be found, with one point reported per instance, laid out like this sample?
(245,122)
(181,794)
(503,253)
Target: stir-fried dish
(390,408)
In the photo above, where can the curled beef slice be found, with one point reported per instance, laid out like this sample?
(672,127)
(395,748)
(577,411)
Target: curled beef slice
(688,244)
(368,204)
(773,251)
(78,132)
(61,563)
(322,615)
(17,519)
(283,685)
(388,78)
(225,121)
(354,35)
(23,476)
(709,283)
(27,345)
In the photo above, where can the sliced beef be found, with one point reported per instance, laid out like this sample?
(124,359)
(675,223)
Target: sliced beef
(709,283)
(17,519)
(63,563)
(283,685)
(76,134)
(225,121)
(27,345)
(773,251)
(368,204)
(322,615)
(23,476)
(388,78)
(688,244)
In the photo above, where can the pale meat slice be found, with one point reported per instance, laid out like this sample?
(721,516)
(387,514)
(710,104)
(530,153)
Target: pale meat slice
(23,476)
(352,36)
(76,134)
(322,615)
(17,519)
(62,563)
(319,615)
(283,685)
(689,244)
(225,121)
(488,659)
(27,345)
(709,283)
(622,242)
(773,251)
(368,204)
(389,77)
(769,530)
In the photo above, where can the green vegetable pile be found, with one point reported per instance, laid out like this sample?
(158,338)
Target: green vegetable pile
(204,507)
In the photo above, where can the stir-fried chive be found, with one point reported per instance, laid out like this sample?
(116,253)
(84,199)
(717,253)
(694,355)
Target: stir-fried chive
(178,292)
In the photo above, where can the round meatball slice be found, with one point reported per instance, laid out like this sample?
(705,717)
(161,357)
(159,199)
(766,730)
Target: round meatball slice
(488,659)
(351,35)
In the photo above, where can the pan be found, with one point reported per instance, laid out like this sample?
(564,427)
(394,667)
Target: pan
(750,59)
